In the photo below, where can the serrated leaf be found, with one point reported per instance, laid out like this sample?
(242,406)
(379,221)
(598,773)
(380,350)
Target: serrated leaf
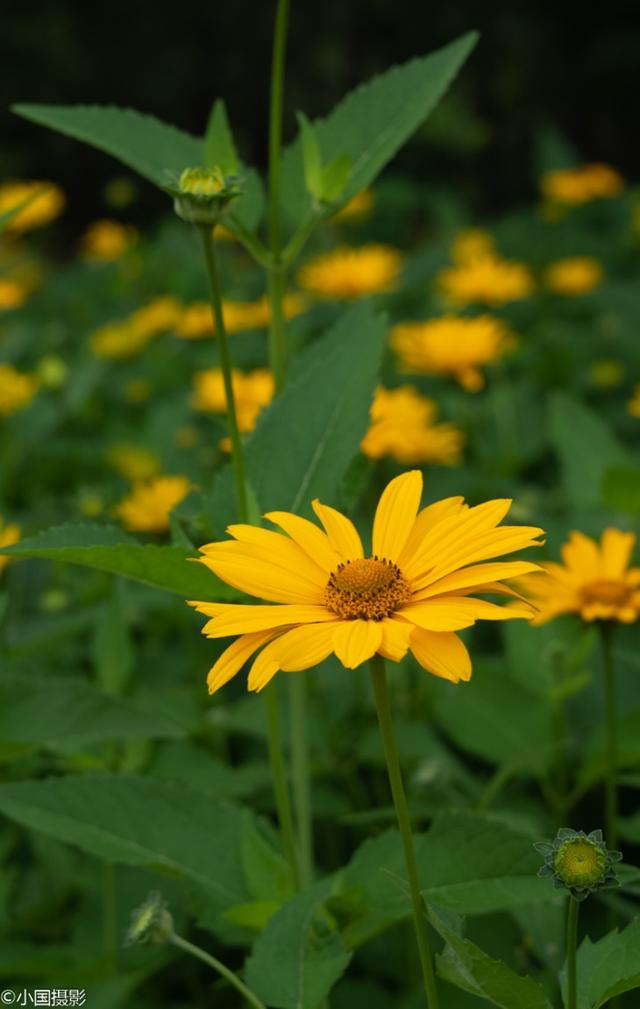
(219,148)
(372,122)
(334,178)
(467,966)
(299,956)
(107,548)
(67,714)
(608,967)
(585,446)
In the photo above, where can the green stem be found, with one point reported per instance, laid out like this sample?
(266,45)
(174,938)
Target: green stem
(279,777)
(275,271)
(110,915)
(237,457)
(611,788)
(211,961)
(402,813)
(572,943)
(300,773)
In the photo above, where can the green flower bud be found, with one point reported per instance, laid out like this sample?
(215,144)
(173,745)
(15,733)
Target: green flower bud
(578,862)
(201,195)
(151,922)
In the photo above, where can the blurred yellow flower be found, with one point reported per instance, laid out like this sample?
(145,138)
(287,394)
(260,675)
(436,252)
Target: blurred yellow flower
(573,186)
(633,406)
(17,389)
(91,505)
(9,534)
(607,374)
(156,317)
(485,279)
(147,507)
(12,294)
(471,243)
(195,321)
(40,211)
(132,462)
(352,273)
(594,581)
(452,345)
(573,275)
(402,426)
(252,391)
(358,208)
(411,592)
(106,240)
(118,341)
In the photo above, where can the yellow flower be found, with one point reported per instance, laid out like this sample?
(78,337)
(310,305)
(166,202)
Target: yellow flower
(471,243)
(359,207)
(42,209)
(594,580)
(633,406)
(352,273)
(412,592)
(9,534)
(133,462)
(12,294)
(486,279)
(252,392)
(452,345)
(148,506)
(196,323)
(573,186)
(156,317)
(106,240)
(574,275)
(17,389)
(402,426)
(118,341)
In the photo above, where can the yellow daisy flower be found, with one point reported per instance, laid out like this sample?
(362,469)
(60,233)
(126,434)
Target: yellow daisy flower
(252,391)
(195,321)
(633,406)
(351,273)
(42,209)
(9,534)
(402,426)
(106,240)
(573,275)
(452,345)
(17,389)
(118,341)
(133,462)
(487,279)
(470,243)
(573,186)
(411,593)
(12,294)
(156,317)
(148,506)
(594,580)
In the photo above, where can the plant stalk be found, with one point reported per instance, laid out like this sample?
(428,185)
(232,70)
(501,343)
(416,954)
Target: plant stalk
(611,787)
(280,786)
(300,774)
(211,961)
(572,944)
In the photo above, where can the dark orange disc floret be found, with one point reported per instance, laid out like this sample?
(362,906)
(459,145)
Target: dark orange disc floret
(368,588)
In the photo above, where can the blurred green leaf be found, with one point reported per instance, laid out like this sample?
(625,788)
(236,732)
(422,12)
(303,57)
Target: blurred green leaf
(311,157)
(608,967)
(113,653)
(219,148)
(585,446)
(621,489)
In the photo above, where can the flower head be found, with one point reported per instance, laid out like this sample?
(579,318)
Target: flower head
(633,405)
(472,243)
(148,506)
(196,323)
(351,273)
(402,426)
(9,534)
(412,591)
(17,389)
(573,186)
(133,462)
(578,862)
(595,580)
(151,922)
(486,280)
(452,345)
(574,275)
(12,294)
(118,341)
(106,240)
(202,194)
(46,202)
(252,391)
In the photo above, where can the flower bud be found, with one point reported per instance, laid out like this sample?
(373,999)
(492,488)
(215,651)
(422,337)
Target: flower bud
(151,922)
(578,862)
(203,194)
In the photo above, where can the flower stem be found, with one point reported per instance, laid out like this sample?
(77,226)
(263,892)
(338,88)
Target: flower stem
(300,772)
(402,812)
(611,794)
(237,457)
(279,778)
(211,961)
(277,346)
(572,943)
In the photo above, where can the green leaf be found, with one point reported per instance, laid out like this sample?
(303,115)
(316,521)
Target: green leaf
(68,714)
(109,549)
(113,654)
(311,157)
(621,489)
(219,148)
(468,967)
(131,820)
(585,446)
(608,967)
(334,178)
(372,122)
(300,955)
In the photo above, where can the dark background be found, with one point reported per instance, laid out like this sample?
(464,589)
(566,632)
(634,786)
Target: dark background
(537,64)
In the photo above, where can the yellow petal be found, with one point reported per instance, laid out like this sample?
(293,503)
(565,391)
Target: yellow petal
(396,514)
(443,655)
(582,556)
(395,639)
(617,548)
(355,641)
(478,547)
(341,531)
(426,520)
(475,575)
(453,613)
(309,538)
(296,649)
(238,619)
(282,550)
(234,657)
(249,573)
(446,537)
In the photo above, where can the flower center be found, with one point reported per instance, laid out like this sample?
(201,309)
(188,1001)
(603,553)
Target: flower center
(608,591)
(368,588)
(580,863)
